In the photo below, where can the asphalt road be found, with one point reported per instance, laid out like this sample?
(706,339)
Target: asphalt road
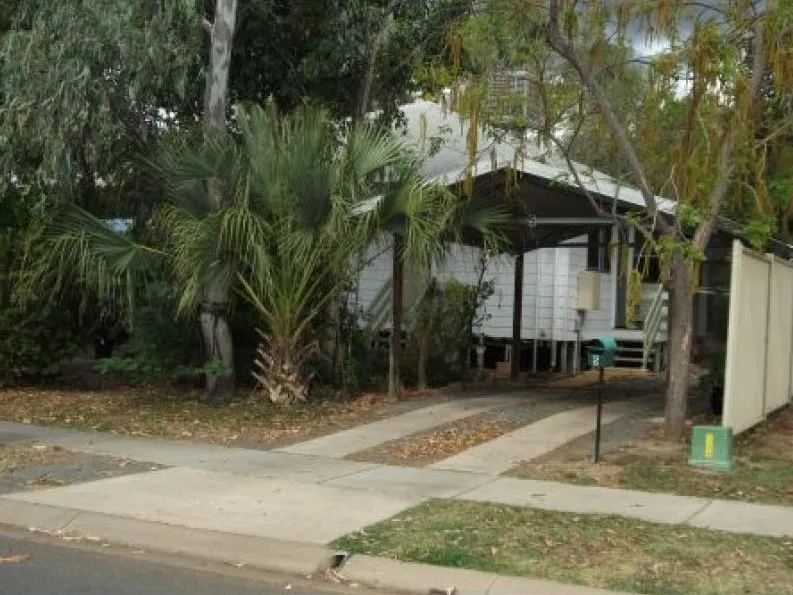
(52,567)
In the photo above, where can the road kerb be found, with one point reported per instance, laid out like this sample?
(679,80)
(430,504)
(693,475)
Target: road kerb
(41,517)
(393,575)
(271,554)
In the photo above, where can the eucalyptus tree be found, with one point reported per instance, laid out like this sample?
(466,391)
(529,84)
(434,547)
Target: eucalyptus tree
(82,91)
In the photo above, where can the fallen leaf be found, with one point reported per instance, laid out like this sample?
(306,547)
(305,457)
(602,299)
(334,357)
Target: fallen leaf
(14,559)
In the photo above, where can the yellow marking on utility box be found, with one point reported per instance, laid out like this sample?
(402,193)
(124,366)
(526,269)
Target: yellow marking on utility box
(709,441)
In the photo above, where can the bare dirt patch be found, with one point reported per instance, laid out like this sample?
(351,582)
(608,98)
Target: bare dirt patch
(591,377)
(34,466)
(438,444)
(160,412)
(24,454)
(763,471)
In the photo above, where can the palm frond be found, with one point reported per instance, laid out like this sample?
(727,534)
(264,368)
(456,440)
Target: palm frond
(82,253)
(485,216)
(184,171)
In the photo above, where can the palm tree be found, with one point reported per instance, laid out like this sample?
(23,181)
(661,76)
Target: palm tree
(424,219)
(312,183)
(292,220)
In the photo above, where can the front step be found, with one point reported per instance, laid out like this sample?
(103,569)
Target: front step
(630,355)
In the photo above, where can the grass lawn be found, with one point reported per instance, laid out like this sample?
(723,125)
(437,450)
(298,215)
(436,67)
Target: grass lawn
(140,411)
(23,454)
(599,551)
(763,471)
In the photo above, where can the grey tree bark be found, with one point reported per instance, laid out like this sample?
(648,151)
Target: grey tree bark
(681,305)
(213,317)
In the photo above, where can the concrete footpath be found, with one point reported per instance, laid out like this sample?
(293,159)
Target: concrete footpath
(229,504)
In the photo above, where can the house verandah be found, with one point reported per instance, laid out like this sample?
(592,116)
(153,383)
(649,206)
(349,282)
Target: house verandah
(562,283)
(559,288)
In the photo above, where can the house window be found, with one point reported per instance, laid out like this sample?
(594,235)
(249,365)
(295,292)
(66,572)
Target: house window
(598,256)
(520,85)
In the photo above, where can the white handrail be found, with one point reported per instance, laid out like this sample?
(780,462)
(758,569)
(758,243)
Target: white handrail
(652,324)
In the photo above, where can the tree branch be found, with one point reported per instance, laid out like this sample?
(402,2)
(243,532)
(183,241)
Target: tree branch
(647,232)
(366,87)
(567,50)
(726,155)
(780,130)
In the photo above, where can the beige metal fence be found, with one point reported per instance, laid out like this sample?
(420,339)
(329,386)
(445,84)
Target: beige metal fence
(759,366)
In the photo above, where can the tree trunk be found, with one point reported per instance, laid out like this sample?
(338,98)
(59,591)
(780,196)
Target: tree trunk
(279,373)
(214,323)
(397,281)
(219,349)
(365,92)
(221,34)
(681,307)
(424,352)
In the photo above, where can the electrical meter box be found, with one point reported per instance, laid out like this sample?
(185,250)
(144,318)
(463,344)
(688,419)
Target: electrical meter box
(588,297)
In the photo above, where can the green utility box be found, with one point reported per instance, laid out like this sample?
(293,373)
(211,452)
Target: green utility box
(601,353)
(711,446)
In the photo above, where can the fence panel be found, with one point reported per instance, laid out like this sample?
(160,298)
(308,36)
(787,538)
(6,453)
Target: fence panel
(780,336)
(747,335)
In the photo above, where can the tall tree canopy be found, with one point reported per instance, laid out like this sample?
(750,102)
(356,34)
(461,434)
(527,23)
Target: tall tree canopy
(82,90)
(698,134)
(302,50)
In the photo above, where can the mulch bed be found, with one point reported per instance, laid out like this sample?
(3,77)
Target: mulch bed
(178,414)
(440,443)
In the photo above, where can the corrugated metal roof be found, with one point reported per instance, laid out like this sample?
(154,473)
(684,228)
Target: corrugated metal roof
(430,126)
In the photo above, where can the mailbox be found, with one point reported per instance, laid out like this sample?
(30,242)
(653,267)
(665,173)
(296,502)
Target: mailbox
(601,353)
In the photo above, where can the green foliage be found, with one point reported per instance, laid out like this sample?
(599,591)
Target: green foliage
(142,369)
(446,319)
(715,374)
(366,364)
(462,313)
(319,52)
(103,81)
(295,211)
(758,230)
(34,341)
(36,334)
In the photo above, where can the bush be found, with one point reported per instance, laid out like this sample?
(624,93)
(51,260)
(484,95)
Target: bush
(159,346)
(35,342)
(366,365)
(37,335)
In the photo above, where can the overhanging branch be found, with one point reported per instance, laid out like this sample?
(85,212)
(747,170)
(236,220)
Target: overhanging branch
(567,50)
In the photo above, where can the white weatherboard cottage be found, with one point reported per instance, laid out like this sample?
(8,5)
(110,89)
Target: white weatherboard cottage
(571,289)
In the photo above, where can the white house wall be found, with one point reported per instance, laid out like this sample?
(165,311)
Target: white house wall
(375,275)
(550,285)
(596,322)
(462,264)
